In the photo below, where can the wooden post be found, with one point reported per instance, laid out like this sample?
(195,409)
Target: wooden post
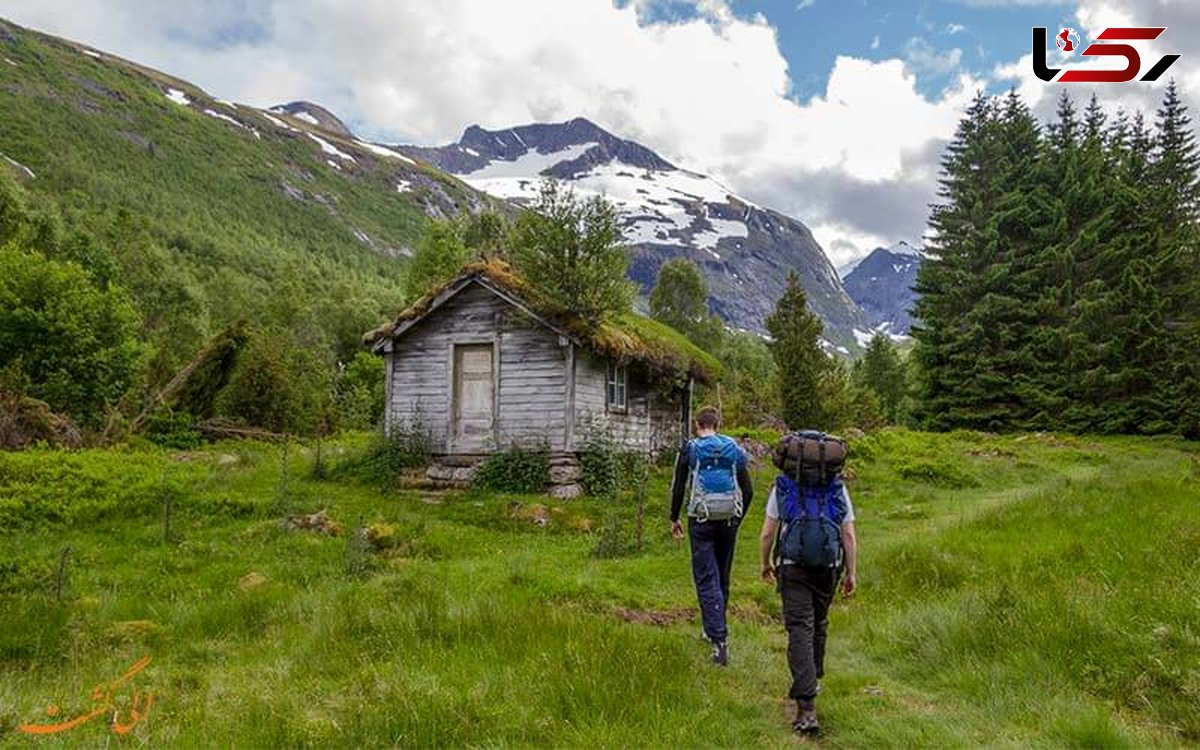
(685,425)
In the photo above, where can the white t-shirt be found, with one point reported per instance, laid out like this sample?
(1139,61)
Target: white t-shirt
(773,505)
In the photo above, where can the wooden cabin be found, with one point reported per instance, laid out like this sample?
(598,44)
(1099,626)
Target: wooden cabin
(482,364)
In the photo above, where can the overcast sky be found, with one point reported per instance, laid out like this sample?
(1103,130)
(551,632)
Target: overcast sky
(834,111)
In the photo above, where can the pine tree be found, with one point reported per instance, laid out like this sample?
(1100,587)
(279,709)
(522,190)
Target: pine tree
(949,280)
(882,370)
(1064,291)
(1175,204)
(803,366)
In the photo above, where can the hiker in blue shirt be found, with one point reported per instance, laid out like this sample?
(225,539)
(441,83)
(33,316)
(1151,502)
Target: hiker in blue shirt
(715,469)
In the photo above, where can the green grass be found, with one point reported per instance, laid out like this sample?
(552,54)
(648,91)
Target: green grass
(1014,592)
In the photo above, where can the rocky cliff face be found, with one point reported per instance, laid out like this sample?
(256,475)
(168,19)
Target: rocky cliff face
(882,285)
(744,250)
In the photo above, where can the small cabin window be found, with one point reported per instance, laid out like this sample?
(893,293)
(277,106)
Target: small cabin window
(618,387)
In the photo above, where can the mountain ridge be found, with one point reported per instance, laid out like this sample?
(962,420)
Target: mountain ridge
(882,285)
(744,250)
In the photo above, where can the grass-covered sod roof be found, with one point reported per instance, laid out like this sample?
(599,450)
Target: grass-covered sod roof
(628,338)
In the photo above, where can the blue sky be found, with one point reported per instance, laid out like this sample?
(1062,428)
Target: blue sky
(812,33)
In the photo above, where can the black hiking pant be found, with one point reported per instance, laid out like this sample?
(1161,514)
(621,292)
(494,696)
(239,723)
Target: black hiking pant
(807,594)
(712,545)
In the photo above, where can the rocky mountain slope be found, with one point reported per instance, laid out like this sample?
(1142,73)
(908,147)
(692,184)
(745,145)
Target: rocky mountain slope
(744,250)
(881,284)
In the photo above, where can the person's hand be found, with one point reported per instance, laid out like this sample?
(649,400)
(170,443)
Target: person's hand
(677,531)
(849,584)
(768,573)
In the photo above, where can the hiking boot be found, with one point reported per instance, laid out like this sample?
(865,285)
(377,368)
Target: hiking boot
(806,718)
(720,654)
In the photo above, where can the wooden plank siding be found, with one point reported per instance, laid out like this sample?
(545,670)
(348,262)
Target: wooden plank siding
(531,372)
(651,420)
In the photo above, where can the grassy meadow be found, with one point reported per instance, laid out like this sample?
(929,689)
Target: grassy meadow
(1018,591)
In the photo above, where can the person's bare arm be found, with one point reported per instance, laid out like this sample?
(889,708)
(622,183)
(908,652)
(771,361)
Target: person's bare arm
(850,546)
(766,540)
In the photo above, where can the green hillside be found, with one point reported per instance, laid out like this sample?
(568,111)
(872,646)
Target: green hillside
(1021,591)
(212,211)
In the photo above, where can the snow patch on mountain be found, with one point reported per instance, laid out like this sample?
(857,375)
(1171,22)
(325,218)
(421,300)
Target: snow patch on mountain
(721,228)
(223,116)
(331,149)
(178,97)
(381,151)
(519,178)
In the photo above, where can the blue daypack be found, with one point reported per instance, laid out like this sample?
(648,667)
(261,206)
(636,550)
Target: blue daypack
(715,492)
(812,516)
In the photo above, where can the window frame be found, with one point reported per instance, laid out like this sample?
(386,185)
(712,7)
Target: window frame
(616,380)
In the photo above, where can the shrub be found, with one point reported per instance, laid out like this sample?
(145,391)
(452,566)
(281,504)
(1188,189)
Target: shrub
(73,343)
(407,446)
(172,430)
(278,386)
(517,470)
(613,539)
(360,392)
(938,472)
(600,464)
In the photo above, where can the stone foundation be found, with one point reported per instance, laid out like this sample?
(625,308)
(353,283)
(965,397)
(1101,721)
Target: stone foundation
(455,471)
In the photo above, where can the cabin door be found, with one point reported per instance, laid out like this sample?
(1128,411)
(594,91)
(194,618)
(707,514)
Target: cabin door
(474,397)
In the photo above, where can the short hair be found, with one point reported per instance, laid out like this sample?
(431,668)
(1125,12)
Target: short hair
(708,418)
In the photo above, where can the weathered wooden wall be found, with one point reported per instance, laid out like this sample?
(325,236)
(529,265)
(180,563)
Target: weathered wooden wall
(532,378)
(651,420)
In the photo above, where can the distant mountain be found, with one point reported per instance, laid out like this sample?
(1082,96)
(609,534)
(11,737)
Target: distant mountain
(881,284)
(316,115)
(744,250)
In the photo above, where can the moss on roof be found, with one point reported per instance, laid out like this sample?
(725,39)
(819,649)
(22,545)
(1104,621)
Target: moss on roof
(629,338)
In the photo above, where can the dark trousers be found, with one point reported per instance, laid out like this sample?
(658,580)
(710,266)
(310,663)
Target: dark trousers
(712,558)
(806,593)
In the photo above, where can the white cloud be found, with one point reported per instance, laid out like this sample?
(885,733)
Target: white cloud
(875,42)
(803,4)
(955,28)
(923,57)
(713,92)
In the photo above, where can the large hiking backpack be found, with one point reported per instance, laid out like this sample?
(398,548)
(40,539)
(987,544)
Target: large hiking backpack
(715,492)
(811,499)
(810,457)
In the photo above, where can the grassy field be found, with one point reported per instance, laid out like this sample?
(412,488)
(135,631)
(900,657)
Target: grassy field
(1014,592)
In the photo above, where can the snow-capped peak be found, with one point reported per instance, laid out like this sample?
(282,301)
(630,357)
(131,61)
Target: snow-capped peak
(665,212)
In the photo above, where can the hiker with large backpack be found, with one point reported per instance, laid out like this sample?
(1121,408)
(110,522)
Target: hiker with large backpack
(807,543)
(714,468)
